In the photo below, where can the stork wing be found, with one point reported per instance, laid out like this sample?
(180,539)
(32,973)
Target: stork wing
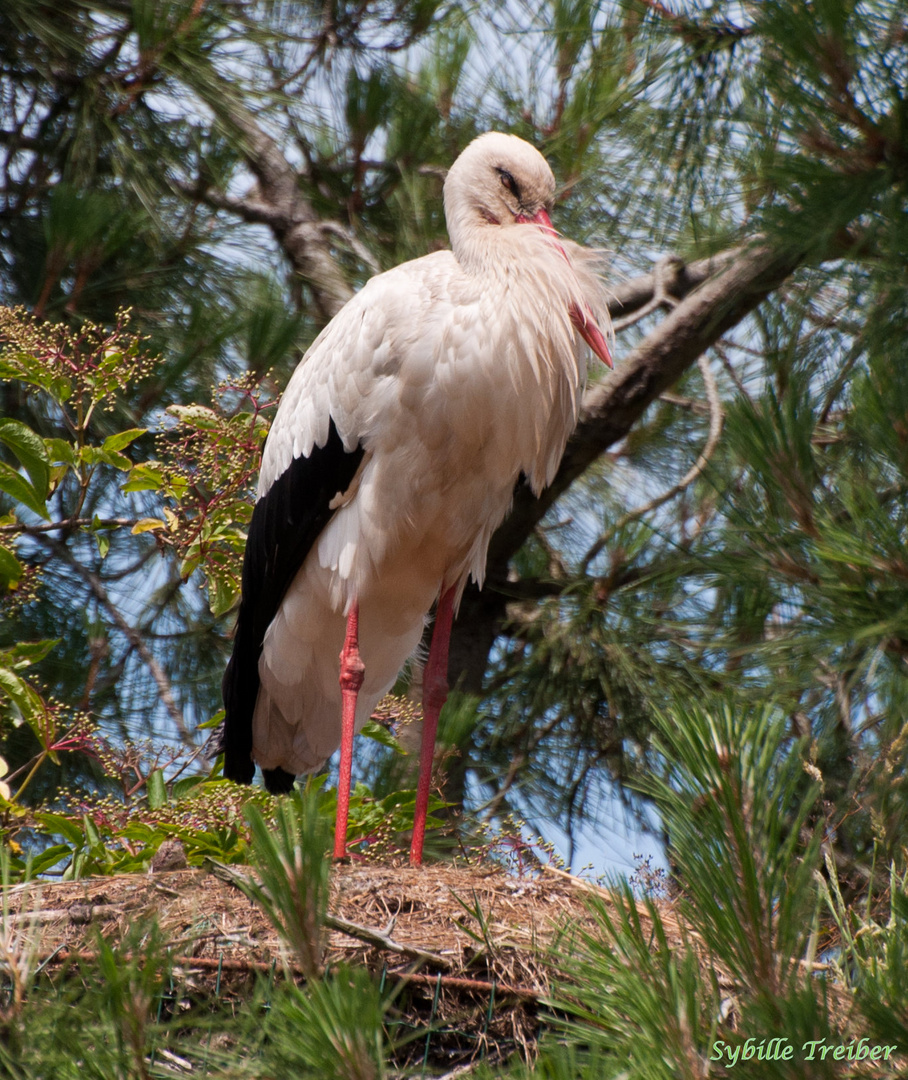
(286,522)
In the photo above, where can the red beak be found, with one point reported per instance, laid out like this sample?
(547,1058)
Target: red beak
(583,320)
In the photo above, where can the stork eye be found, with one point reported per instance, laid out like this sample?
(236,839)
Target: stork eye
(509,182)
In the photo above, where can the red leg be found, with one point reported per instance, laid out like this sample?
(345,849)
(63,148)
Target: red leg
(434,695)
(351,679)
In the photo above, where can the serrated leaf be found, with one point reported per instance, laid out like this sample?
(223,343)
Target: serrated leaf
(103,543)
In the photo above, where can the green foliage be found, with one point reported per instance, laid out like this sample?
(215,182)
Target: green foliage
(119,1010)
(333,1030)
(650,989)
(86,462)
(102,1020)
(122,834)
(873,953)
(290,857)
(643,988)
(633,999)
(152,799)
(736,803)
(124,1013)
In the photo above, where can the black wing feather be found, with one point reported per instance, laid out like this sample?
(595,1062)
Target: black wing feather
(286,522)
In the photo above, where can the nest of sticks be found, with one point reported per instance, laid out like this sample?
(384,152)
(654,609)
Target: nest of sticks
(464,947)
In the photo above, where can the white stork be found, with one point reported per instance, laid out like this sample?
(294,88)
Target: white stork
(392,459)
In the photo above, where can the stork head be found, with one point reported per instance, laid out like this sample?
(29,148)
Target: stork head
(501,181)
(498,180)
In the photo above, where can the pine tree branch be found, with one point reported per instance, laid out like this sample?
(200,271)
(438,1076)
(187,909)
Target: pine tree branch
(665,274)
(670,279)
(18,528)
(716,417)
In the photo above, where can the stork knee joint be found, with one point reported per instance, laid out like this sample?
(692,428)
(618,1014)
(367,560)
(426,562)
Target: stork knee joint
(352,672)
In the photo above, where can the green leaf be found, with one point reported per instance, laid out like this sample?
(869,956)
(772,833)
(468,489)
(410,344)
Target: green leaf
(61,388)
(24,697)
(382,736)
(25,653)
(156,789)
(109,451)
(14,484)
(113,444)
(10,569)
(144,525)
(186,786)
(29,448)
(59,450)
(146,477)
(223,592)
(49,857)
(118,461)
(196,416)
(64,826)
(213,722)
(92,835)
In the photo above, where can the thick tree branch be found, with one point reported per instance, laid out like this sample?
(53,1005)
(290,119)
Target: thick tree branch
(671,278)
(250,209)
(715,294)
(294,222)
(610,408)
